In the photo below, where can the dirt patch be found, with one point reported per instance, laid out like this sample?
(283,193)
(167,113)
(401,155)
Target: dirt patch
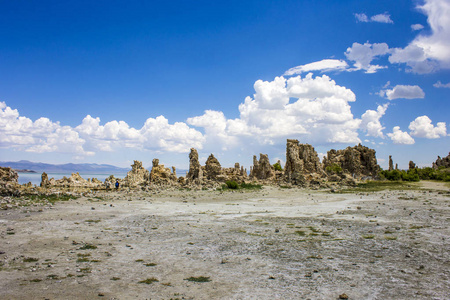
(268,244)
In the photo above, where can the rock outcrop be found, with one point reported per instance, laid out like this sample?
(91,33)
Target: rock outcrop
(262,169)
(44,180)
(9,183)
(302,163)
(358,161)
(195,174)
(411,165)
(391,163)
(138,175)
(161,175)
(213,169)
(442,162)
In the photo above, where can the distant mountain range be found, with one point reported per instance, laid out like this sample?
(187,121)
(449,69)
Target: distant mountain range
(65,168)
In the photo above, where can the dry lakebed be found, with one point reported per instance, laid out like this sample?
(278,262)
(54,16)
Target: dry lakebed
(273,243)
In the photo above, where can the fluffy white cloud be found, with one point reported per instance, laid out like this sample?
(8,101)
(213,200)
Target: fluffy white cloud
(370,121)
(314,109)
(323,65)
(400,137)
(442,85)
(380,18)
(428,53)
(422,127)
(364,54)
(39,136)
(417,27)
(44,135)
(403,92)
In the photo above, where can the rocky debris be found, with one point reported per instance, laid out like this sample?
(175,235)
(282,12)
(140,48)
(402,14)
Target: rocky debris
(9,184)
(195,174)
(358,161)
(391,163)
(161,175)
(302,164)
(137,176)
(442,162)
(262,169)
(412,165)
(238,173)
(212,169)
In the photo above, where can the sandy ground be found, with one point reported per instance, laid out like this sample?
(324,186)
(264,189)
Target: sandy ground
(268,244)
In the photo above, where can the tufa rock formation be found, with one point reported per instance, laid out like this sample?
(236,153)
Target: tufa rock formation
(302,163)
(195,174)
(442,162)
(138,175)
(391,163)
(161,175)
(412,165)
(9,183)
(262,169)
(358,161)
(212,168)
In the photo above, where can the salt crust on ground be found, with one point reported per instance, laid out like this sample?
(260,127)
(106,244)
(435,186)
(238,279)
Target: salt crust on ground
(269,244)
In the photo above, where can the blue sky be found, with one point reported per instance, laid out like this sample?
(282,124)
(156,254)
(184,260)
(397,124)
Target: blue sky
(117,81)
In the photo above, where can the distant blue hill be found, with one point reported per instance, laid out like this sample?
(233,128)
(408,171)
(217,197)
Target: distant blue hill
(65,168)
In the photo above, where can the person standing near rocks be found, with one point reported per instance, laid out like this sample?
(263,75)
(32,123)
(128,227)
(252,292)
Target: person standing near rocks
(117,184)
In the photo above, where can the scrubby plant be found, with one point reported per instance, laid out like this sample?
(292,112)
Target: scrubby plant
(277,167)
(231,184)
(334,169)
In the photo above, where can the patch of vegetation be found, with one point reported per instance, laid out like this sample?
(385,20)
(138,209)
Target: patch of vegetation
(427,173)
(52,198)
(85,270)
(88,247)
(334,169)
(52,276)
(115,278)
(92,221)
(149,280)
(198,279)
(368,237)
(139,260)
(150,264)
(30,259)
(36,280)
(390,238)
(277,167)
(301,232)
(376,186)
(233,185)
(83,259)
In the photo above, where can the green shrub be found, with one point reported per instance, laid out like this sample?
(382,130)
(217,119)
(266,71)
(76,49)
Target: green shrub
(277,167)
(334,169)
(232,185)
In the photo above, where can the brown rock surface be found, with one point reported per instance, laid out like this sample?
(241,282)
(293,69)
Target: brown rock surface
(195,174)
(161,175)
(138,175)
(302,163)
(262,169)
(358,161)
(442,162)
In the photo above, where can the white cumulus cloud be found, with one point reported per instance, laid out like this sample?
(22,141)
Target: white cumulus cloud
(429,53)
(370,121)
(403,92)
(364,54)
(311,108)
(400,137)
(380,18)
(442,85)
(325,65)
(422,127)
(417,27)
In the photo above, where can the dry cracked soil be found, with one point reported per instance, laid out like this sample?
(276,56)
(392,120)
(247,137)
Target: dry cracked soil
(269,244)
